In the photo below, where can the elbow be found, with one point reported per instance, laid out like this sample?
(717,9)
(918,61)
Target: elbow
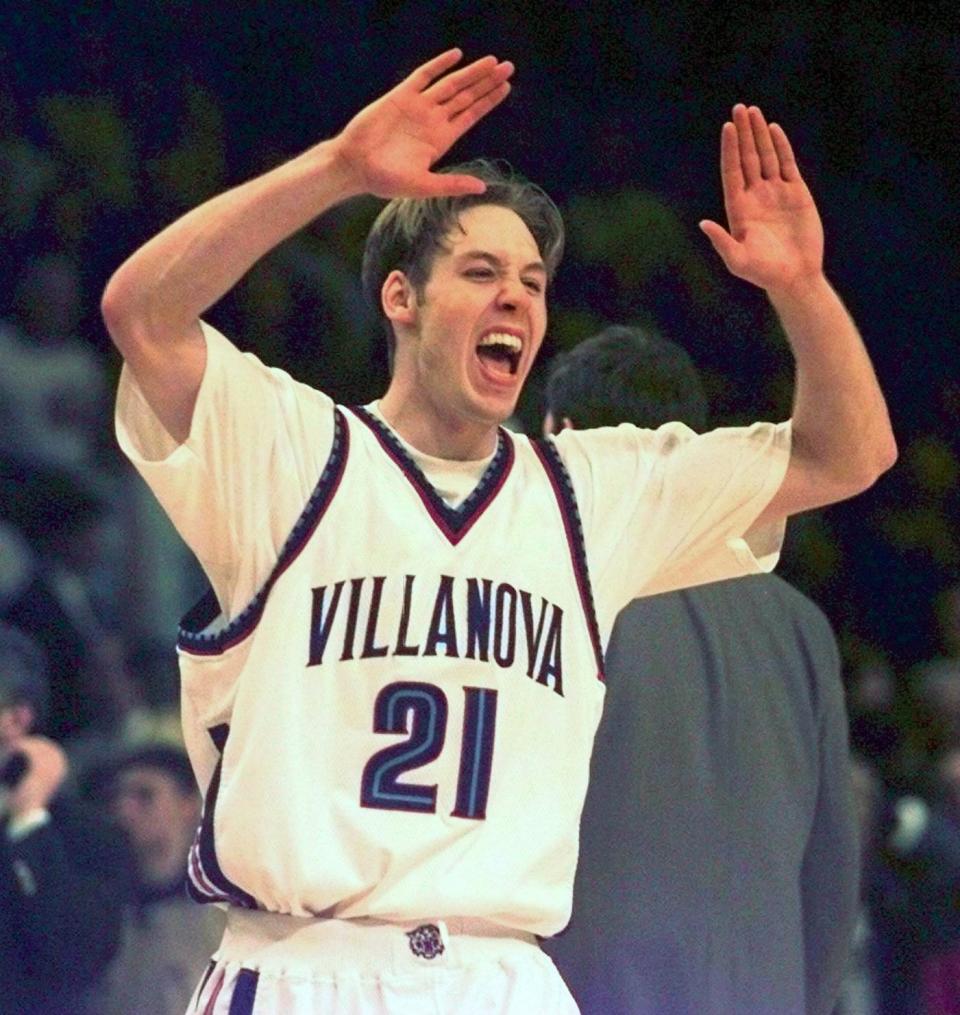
(882,459)
(118,312)
(885,456)
(888,455)
(848,475)
(126,314)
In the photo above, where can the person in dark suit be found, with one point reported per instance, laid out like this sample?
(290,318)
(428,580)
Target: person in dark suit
(718,871)
(63,871)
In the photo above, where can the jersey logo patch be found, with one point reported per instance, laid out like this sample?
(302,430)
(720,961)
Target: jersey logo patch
(425,941)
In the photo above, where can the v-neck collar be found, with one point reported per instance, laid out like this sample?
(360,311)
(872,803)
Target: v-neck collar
(454,523)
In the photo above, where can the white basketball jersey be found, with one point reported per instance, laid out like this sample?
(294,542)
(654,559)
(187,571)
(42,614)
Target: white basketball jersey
(405,712)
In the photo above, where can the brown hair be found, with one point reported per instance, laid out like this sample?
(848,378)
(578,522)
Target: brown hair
(409,232)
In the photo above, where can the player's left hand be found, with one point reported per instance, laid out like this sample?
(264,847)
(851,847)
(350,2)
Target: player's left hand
(775,237)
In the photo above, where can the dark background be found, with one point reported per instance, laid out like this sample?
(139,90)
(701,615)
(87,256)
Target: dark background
(148,108)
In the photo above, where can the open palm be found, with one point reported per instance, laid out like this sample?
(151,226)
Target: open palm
(392,144)
(775,237)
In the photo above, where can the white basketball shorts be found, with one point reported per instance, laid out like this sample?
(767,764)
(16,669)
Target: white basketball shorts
(287,965)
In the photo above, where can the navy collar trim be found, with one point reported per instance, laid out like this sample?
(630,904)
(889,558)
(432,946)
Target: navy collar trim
(454,523)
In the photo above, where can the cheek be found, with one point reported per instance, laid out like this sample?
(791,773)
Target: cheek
(435,360)
(539,345)
(448,346)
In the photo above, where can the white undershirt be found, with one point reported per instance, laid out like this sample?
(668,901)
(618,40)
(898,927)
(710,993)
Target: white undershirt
(453,480)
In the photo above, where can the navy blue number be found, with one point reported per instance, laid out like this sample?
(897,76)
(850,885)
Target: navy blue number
(420,711)
(476,752)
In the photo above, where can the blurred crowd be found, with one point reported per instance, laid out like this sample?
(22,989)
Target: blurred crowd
(101,805)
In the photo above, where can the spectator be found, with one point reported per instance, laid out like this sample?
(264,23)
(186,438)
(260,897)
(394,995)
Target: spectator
(935,726)
(53,401)
(58,598)
(53,390)
(938,842)
(61,871)
(907,959)
(718,866)
(167,939)
(875,719)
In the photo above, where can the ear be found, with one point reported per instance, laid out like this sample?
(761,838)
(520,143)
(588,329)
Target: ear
(550,424)
(398,298)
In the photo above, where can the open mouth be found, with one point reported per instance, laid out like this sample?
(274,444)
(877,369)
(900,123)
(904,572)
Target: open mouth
(500,352)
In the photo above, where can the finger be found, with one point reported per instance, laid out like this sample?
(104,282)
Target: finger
(749,159)
(769,163)
(788,164)
(464,120)
(723,243)
(731,170)
(426,73)
(479,89)
(443,89)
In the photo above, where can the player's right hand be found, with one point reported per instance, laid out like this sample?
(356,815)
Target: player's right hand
(388,148)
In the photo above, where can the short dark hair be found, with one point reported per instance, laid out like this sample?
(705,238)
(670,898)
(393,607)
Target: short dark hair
(409,232)
(626,375)
(23,671)
(99,780)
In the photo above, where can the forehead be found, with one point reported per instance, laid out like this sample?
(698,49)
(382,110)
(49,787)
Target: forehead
(140,777)
(493,229)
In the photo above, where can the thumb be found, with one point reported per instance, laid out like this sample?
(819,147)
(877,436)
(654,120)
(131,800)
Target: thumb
(723,243)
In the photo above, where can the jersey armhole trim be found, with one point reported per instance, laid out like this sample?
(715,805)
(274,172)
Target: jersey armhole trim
(206,881)
(567,502)
(191,637)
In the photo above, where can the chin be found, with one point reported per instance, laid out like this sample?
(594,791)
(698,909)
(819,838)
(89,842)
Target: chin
(495,414)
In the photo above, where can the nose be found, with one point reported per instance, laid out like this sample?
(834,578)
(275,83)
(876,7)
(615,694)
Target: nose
(125,816)
(127,809)
(513,294)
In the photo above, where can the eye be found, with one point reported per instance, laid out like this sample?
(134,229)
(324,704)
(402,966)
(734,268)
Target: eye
(481,273)
(533,284)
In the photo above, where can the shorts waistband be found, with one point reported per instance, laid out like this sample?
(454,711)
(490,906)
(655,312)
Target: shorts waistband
(318,947)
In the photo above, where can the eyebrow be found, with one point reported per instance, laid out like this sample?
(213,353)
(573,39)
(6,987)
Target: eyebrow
(496,262)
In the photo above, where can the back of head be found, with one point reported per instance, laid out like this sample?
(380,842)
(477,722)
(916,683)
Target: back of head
(626,375)
(409,232)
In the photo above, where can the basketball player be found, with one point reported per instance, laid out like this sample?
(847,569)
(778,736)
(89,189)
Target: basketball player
(391,695)
(719,867)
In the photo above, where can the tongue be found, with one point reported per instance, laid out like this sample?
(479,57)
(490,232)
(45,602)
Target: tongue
(495,359)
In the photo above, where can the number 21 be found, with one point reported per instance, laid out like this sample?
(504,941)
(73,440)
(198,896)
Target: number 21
(425,707)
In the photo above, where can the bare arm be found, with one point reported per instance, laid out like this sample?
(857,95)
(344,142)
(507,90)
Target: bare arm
(153,302)
(842,439)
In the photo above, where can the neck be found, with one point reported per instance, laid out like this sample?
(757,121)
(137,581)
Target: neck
(442,434)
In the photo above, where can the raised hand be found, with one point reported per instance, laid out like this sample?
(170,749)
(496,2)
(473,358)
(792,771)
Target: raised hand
(775,238)
(391,145)
(45,772)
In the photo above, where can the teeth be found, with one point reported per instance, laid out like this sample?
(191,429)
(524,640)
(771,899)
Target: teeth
(502,338)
